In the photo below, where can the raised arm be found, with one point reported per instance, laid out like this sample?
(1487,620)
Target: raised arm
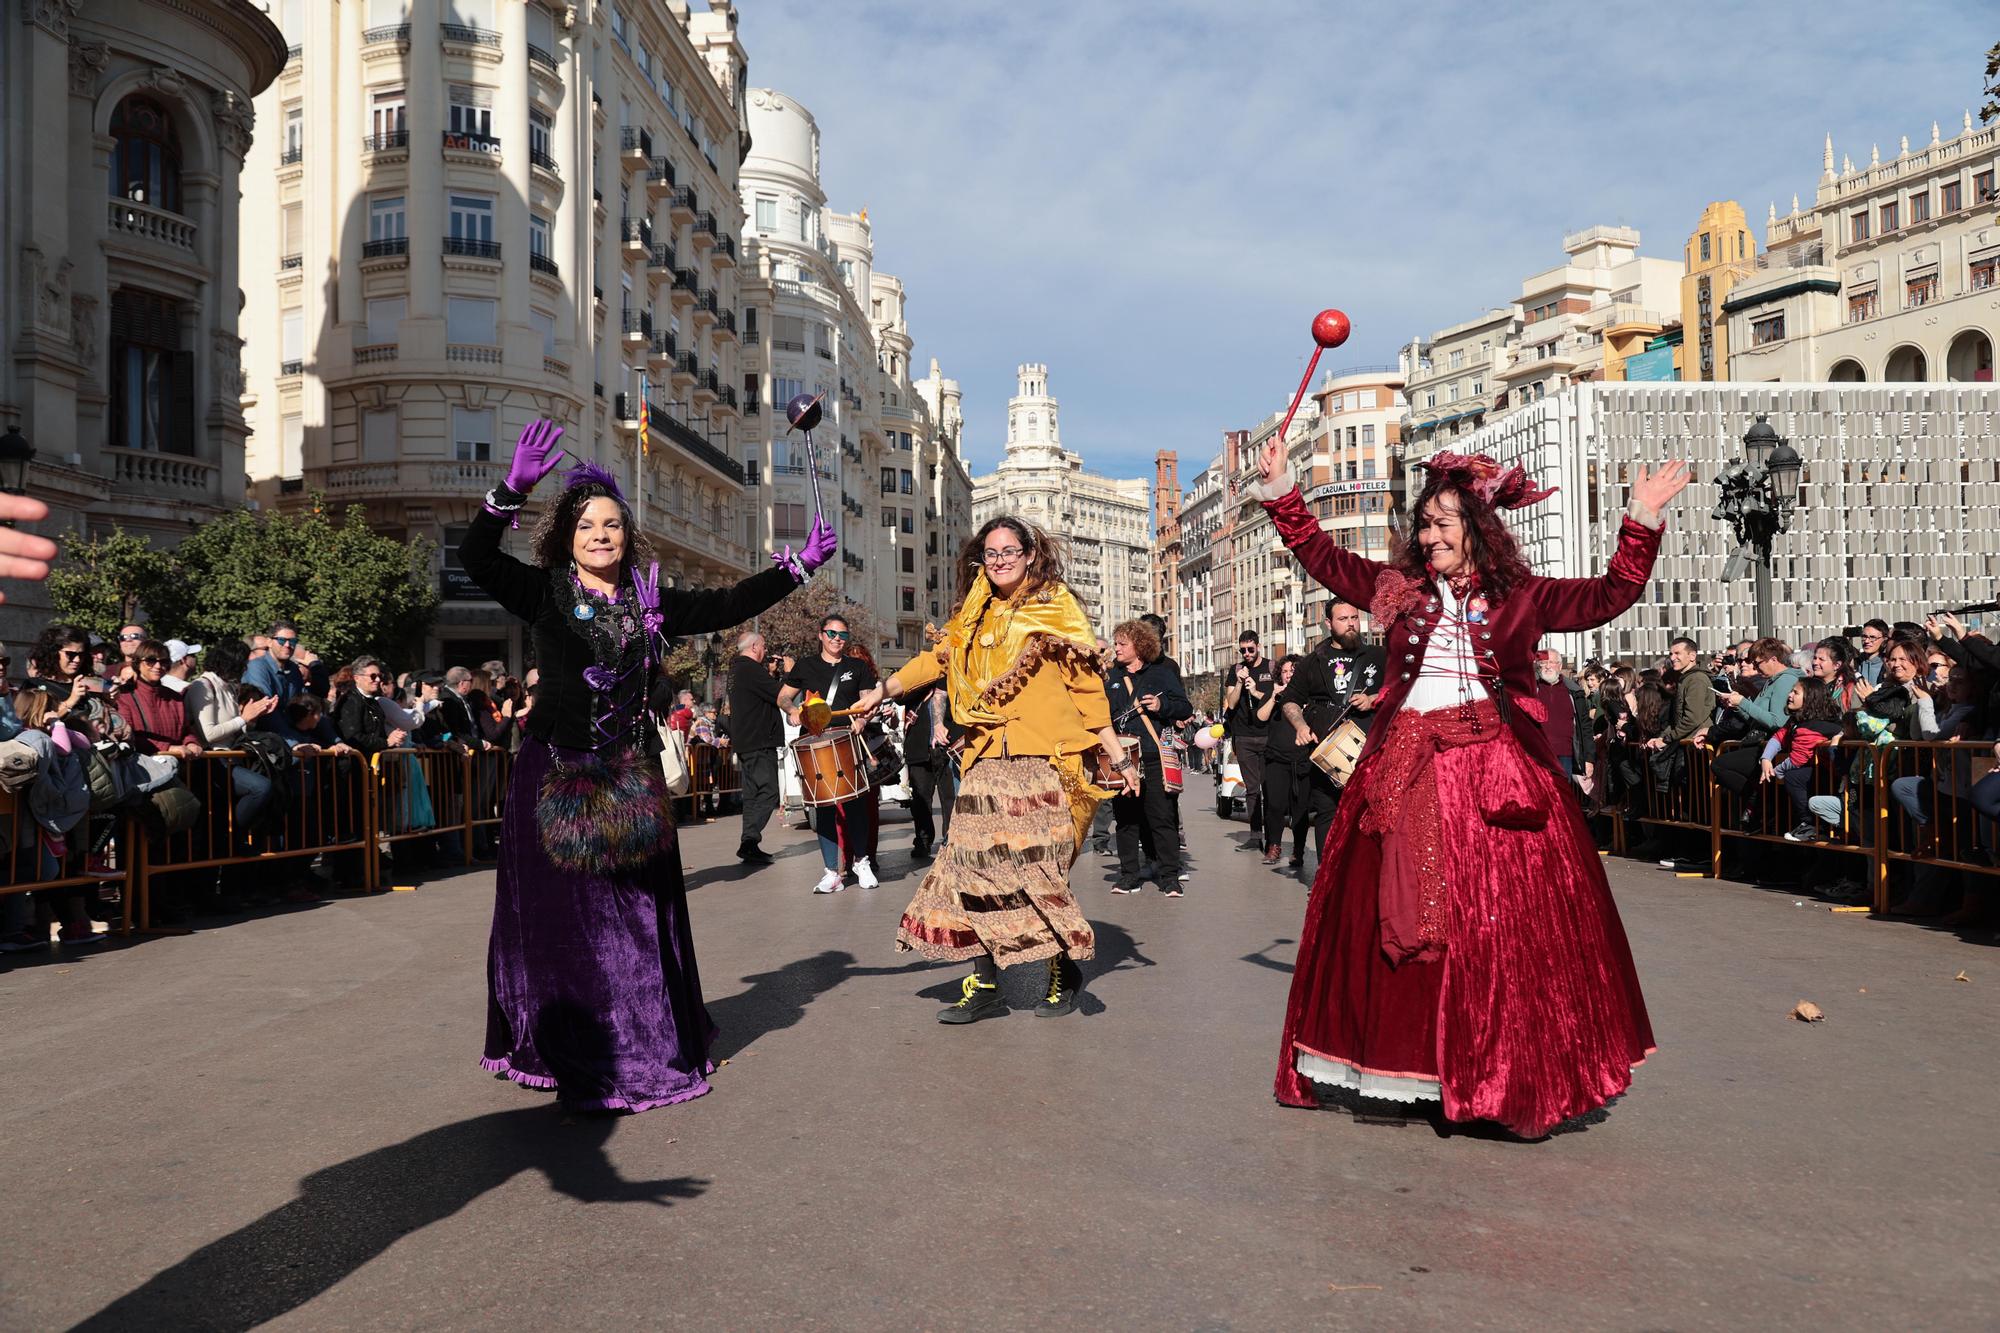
(1350,576)
(1571,605)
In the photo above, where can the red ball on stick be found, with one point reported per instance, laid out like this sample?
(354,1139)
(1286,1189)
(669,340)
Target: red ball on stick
(1331,327)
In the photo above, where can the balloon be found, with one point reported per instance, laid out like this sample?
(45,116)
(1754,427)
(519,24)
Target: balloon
(1208,738)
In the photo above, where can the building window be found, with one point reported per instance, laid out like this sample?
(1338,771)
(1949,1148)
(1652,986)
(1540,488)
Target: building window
(544,324)
(749,321)
(1368,469)
(385,319)
(1368,433)
(618,25)
(538,235)
(909,559)
(541,129)
(378,435)
(1457,357)
(1982,188)
(909,482)
(387,114)
(1860,306)
(909,597)
(908,522)
(295,133)
(1704,247)
(888,488)
(1920,207)
(541,29)
(472,321)
(291,448)
(767,214)
(471,113)
(1985,272)
(889,518)
(1770,329)
(291,341)
(472,434)
(1857,226)
(1890,215)
(386,218)
(788,521)
(152,398)
(471,217)
(1948,201)
(145,154)
(1920,291)
(292,230)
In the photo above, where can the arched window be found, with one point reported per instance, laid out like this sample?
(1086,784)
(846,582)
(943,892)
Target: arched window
(145,154)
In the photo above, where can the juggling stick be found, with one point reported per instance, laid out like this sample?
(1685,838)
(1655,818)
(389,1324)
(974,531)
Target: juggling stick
(1330,329)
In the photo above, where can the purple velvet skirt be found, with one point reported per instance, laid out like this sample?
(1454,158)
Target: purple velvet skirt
(591,981)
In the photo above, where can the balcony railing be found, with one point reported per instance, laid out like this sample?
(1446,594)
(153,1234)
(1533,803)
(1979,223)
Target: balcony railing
(384,248)
(686,200)
(294,53)
(291,262)
(662,258)
(152,224)
(704,224)
(728,396)
(663,423)
(463,245)
(541,57)
(635,231)
(726,321)
(291,368)
(395,32)
(465,36)
(291,157)
(684,280)
(752,407)
(725,248)
(626,406)
(636,142)
(660,172)
(636,321)
(684,364)
(540,158)
(541,263)
(664,347)
(707,303)
(385,143)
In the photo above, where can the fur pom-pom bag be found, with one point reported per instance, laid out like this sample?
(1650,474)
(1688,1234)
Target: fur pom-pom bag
(602,816)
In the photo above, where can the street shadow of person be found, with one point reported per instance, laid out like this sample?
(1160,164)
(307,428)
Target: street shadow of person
(777,999)
(348,1213)
(1260,960)
(1116,951)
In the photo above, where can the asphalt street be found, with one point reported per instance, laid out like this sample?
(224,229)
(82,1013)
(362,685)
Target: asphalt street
(281,1119)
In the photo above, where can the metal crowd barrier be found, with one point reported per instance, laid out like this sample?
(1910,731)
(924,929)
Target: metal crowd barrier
(24,856)
(713,775)
(1937,776)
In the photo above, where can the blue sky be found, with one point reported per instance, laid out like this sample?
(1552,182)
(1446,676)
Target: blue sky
(1155,197)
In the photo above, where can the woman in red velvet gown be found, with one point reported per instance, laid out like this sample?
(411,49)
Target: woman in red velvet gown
(1460,944)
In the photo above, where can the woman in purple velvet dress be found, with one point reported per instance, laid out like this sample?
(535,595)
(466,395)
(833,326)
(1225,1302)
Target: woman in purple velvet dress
(591,980)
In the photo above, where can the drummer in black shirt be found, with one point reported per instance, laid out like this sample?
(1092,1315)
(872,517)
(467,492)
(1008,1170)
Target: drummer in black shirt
(840,680)
(1339,680)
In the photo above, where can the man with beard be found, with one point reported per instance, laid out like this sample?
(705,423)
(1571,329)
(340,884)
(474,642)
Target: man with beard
(1339,680)
(1249,688)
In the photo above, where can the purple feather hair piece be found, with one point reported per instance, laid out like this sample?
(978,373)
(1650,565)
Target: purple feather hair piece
(585,472)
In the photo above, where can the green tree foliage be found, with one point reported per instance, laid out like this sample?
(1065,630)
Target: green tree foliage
(1989,111)
(350,590)
(101,583)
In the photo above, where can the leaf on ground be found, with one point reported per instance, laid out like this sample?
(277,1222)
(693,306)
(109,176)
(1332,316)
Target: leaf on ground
(1808,1012)
(1961,976)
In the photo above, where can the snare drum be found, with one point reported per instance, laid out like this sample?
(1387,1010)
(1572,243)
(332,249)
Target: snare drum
(1102,774)
(833,767)
(1340,751)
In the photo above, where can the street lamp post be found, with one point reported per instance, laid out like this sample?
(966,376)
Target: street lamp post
(1757,496)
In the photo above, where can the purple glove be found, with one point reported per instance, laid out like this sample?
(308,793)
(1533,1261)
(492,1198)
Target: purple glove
(821,543)
(535,455)
(648,589)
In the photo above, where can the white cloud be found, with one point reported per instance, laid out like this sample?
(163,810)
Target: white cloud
(1154,198)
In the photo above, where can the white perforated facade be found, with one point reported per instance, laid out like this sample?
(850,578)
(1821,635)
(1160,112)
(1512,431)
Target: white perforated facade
(1899,513)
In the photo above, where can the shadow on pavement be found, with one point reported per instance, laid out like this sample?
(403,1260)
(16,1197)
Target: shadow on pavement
(1116,951)
(348,1213)
(1260,960)
(776,1000)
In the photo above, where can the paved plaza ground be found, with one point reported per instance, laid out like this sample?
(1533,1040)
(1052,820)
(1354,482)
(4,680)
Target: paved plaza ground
(281,1119)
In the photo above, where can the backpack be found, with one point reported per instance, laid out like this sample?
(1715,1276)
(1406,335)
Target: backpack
(267,754)
(108,771)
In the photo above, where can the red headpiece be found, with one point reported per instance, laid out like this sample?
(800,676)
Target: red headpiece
(1503,488)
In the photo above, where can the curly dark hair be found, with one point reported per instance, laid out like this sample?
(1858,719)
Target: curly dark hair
(1145,639)
(555,530)
(1488,544)
(1819,703)
(44,657)
(1045,554)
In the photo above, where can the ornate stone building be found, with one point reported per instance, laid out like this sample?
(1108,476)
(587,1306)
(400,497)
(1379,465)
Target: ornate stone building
(1106,522)
(122,140)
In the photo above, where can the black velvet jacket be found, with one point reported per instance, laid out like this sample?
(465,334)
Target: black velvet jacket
(567,708)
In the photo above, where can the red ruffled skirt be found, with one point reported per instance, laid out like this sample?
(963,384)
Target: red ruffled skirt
(1524,1008)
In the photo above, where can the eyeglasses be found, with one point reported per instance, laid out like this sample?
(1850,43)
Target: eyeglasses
(71,652)
(284,643)
(368,675)
(835,633)
(152,661)
(1247,652)
(131,638)
(1006,557)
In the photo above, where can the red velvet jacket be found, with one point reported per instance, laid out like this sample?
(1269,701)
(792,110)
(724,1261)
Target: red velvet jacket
(1506,643)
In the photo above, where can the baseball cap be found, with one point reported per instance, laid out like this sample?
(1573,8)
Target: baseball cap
(178,649)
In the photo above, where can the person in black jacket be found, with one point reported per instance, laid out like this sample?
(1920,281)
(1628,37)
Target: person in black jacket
(359,718)
(1146,699)
(756,729)
(928,735)
(592,984)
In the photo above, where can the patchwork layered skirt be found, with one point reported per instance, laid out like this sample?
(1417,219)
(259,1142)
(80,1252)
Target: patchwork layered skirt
(1488,970)
(591,982)
(1001,884)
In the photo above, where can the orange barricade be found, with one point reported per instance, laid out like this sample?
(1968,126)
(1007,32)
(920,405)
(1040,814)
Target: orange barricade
(1934,778)
(24,856)
(486,792)
(419,794)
